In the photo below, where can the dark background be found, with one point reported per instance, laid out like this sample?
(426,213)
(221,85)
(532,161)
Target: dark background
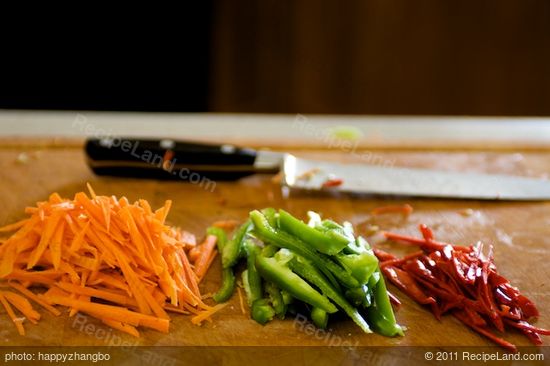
(274,56)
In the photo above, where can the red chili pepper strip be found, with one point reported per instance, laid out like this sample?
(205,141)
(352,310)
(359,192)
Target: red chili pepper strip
(524,325)
(527,307)
(332,182)
(427,233)
(394,300)
(382,255)
(481,330)
(396,261)
(435,245)
(407,284)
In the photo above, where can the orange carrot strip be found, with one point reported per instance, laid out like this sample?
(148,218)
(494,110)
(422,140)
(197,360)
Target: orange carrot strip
(173,309)
(114,312)
(23,305)
(14,226)
(123,327)
(55,244)
(207,314)
(16,320)
(206,251)
(208,264)
(91,190)
(51,224)
(100,294)
(78,239)
(31,295)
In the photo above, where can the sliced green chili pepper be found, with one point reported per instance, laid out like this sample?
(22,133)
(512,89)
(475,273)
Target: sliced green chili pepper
(361,266)
(329,242)
(381,313)
(281,275)
(271,216)
(287,297)
(233,248)
(228,278)
(276,298)
(262,312)
(269,250)
(359,296)
(253,279)
(305,269)
(265,232)
(319,318)
(227,287)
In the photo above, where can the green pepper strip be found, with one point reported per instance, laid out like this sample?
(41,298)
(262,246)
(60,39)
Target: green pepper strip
(359,296)
(253,281)
(276,298)
(319,318)
(305,269)
(381,313)
(233,248)
(228,278)
(287,297)
(271,216)
(330,242)
(265,232)
(262,312)
(361,266)
(281,275)
(227,288)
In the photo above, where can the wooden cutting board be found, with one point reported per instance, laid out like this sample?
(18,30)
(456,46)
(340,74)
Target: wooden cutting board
(520,233)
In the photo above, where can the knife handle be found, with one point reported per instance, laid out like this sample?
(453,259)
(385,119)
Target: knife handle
(168,159)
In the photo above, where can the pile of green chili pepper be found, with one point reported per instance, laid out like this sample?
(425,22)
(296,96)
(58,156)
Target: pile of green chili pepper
(319,267)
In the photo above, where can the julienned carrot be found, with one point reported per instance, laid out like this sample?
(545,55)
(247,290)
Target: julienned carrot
(118,313)
(16,320)
(31,295)
(126,328)
(207,314)
(23,305)
(206,251)
(107,249)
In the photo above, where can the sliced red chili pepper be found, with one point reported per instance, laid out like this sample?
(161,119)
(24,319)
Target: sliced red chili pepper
(463,281)
(475,317)
(394,300)
(481,330)
(521,324)
(527,307)
(406,283)
(426,232)
(434,245)
(398,261)
(382,255)
(332,182)
(417,267)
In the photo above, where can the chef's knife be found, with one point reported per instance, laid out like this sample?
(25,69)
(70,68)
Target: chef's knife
(171,159)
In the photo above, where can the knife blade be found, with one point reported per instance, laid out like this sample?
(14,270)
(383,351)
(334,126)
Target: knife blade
(170,159)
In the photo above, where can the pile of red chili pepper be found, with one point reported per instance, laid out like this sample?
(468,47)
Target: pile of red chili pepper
(462,281)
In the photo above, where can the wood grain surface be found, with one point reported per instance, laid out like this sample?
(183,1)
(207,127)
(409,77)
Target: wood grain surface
(520,233)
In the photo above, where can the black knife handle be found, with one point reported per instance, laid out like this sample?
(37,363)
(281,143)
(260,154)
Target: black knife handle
(168,159)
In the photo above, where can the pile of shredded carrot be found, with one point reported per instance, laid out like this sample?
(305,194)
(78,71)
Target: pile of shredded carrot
(102,256)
